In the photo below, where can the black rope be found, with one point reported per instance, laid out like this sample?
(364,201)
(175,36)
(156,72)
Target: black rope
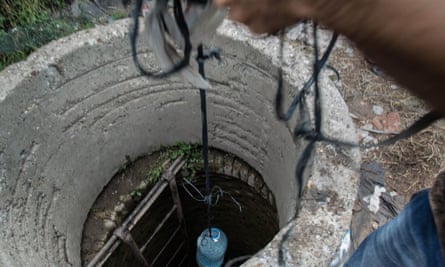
(183,28)
(184,62)
(315,134)
(215,53)
(305,128)
(201,58)
(285,116)
(205,138)
(422,123)
(302,130)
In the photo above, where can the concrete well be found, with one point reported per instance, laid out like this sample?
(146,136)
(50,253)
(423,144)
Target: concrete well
(74,109)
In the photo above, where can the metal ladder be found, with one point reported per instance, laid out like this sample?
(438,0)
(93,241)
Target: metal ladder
(122,234)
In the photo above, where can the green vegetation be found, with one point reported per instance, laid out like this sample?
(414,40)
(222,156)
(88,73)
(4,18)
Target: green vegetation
(15,13)
(193,160)
(118,15)
(26,25)
(136,193)
(192,154)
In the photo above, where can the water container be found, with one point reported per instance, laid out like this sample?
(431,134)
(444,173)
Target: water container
(210,250)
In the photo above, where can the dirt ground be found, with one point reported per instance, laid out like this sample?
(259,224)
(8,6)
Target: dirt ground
(380,107)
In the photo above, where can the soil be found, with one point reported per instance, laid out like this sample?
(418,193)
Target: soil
(410,164)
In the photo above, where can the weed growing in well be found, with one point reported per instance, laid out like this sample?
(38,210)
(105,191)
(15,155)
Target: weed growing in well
(192,155)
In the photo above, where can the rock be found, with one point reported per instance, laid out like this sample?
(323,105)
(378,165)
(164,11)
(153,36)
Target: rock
(362,134)
(392,123)
(377,71)
(91,10)
(377,123)
(369,140)
(389,122)
(378,110)
(349,51)
(361,108)
(120,207)
(296,33)
(109,224)
(125,198)
(368,126)
(75,10)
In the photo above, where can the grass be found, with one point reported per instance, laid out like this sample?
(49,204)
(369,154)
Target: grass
(28,24)
(192,155)
(410,164)
(25,12)
(136,193)
(118,15)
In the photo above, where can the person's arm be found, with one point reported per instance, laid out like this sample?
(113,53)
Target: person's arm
(405,37)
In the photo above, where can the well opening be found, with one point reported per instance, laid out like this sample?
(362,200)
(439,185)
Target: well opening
(245,210)
(77,108)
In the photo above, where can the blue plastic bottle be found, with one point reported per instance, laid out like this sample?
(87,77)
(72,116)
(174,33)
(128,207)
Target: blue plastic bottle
(210,250)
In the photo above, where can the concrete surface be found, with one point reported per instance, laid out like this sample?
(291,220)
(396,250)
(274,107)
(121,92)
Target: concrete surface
(73,110)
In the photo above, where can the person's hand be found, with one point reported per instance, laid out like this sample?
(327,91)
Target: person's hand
(265,16)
